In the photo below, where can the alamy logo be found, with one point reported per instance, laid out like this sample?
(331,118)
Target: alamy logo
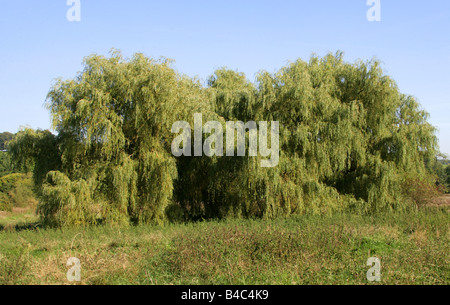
(74,12)
(213,145)
(374,13)
(74,273)
(374,273)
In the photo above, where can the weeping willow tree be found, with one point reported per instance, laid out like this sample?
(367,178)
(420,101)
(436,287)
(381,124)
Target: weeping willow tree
(347,131)
(348,139)
(113,123)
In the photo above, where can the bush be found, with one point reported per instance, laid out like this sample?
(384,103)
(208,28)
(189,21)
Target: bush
(420,190)
(447,171)
(5,137)
(16,190)
(5,203)
(5,164)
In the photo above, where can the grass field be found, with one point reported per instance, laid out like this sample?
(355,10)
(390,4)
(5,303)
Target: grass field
(17,218)
(413,249)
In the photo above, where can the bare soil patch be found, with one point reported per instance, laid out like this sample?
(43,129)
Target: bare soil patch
(441,201)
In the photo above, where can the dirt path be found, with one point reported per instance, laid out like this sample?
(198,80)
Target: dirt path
(441,201)
(15,211)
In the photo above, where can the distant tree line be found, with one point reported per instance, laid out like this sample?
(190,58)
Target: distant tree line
(349,140)
(442,171)
(6,166)
(16,185)
(4,138)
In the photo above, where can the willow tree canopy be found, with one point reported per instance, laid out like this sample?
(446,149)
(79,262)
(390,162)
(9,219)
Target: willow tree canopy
(348,140)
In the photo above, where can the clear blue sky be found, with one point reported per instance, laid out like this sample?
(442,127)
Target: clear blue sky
(39,44)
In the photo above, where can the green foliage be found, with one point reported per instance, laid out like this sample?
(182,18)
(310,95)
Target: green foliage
(349,140)
(447,171)
(438,168)
(7,182)
(5,137)
(441,173)
(346,127)
(16,190)
(6,167)
(35,151)
(16,187)
(5,204)
(114,141)
(421,191)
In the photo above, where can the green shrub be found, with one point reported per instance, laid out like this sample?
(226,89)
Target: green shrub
(5,164)
(420,190)
(5,203)
(16,190)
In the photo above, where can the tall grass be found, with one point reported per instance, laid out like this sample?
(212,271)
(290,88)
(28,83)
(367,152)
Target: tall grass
(413,248)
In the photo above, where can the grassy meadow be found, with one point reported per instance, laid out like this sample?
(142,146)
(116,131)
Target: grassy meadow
(413,248)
